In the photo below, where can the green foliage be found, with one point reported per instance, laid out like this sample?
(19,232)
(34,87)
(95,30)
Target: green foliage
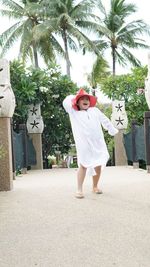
(57,133)
(26,14)
(124,87)
(99,71)
(51,160)
(74,165)
(18,172)
(26,84)
(24,89)
(49,88)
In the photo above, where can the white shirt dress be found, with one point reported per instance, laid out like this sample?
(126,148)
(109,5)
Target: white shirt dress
(88,135)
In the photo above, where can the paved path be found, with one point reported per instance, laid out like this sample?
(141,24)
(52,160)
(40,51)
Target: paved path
(42,224)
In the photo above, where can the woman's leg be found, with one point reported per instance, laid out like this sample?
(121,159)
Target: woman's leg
(80,177)
(96,179)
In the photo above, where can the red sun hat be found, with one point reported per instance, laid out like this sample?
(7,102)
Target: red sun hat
(80,93)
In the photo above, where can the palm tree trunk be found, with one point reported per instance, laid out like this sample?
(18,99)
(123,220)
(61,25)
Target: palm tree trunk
(114,61)
(67,53)
(36,63)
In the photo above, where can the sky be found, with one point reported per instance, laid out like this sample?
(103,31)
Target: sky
(82,65)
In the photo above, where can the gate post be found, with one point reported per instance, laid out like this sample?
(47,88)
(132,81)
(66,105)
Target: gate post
(147,138)
(7,106)
(35,127)
(120,121)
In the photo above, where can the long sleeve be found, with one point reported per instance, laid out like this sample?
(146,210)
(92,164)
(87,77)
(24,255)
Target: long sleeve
(67,103)
(107,124)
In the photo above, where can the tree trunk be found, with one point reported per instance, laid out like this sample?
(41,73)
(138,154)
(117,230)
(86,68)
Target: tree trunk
(66,54)
(114,61)
(36,64)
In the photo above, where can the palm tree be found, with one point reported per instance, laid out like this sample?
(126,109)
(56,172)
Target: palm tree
(99,71)
(67,20)
(26,17)
(119,34)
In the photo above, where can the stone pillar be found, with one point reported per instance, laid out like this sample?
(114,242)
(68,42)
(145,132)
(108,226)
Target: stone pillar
(120,154)
(6,172)
(7,106)
(120,121)
(35,128)
(37,142)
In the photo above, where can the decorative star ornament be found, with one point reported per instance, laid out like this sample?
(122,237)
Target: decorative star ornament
(34,110)
(119,107)
(119,121)
(34,124)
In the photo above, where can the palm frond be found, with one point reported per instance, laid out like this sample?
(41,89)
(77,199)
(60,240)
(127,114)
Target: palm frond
(121,8)
(26,39)
(88,25)
(139,43)
(103,30)
(99,71)
(11,14)
(135,28)
(42,30)
(24,57)
(72,44)
(56,45)
(12,5)
(120,58)
(64,20)
(46,50)
(10,41)
(83,39)
(10,37)
(82,8)
(102,45)
(101,7)
(130,57)
(5,35)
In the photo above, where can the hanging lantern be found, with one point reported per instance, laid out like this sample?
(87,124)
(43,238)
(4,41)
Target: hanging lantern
(119,116)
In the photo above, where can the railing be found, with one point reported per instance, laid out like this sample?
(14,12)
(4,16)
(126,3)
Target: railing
(137,143)
(23,152)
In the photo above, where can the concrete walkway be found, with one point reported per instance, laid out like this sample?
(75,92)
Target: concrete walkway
(42,224)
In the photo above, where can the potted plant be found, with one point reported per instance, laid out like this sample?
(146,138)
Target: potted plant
(51,161)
